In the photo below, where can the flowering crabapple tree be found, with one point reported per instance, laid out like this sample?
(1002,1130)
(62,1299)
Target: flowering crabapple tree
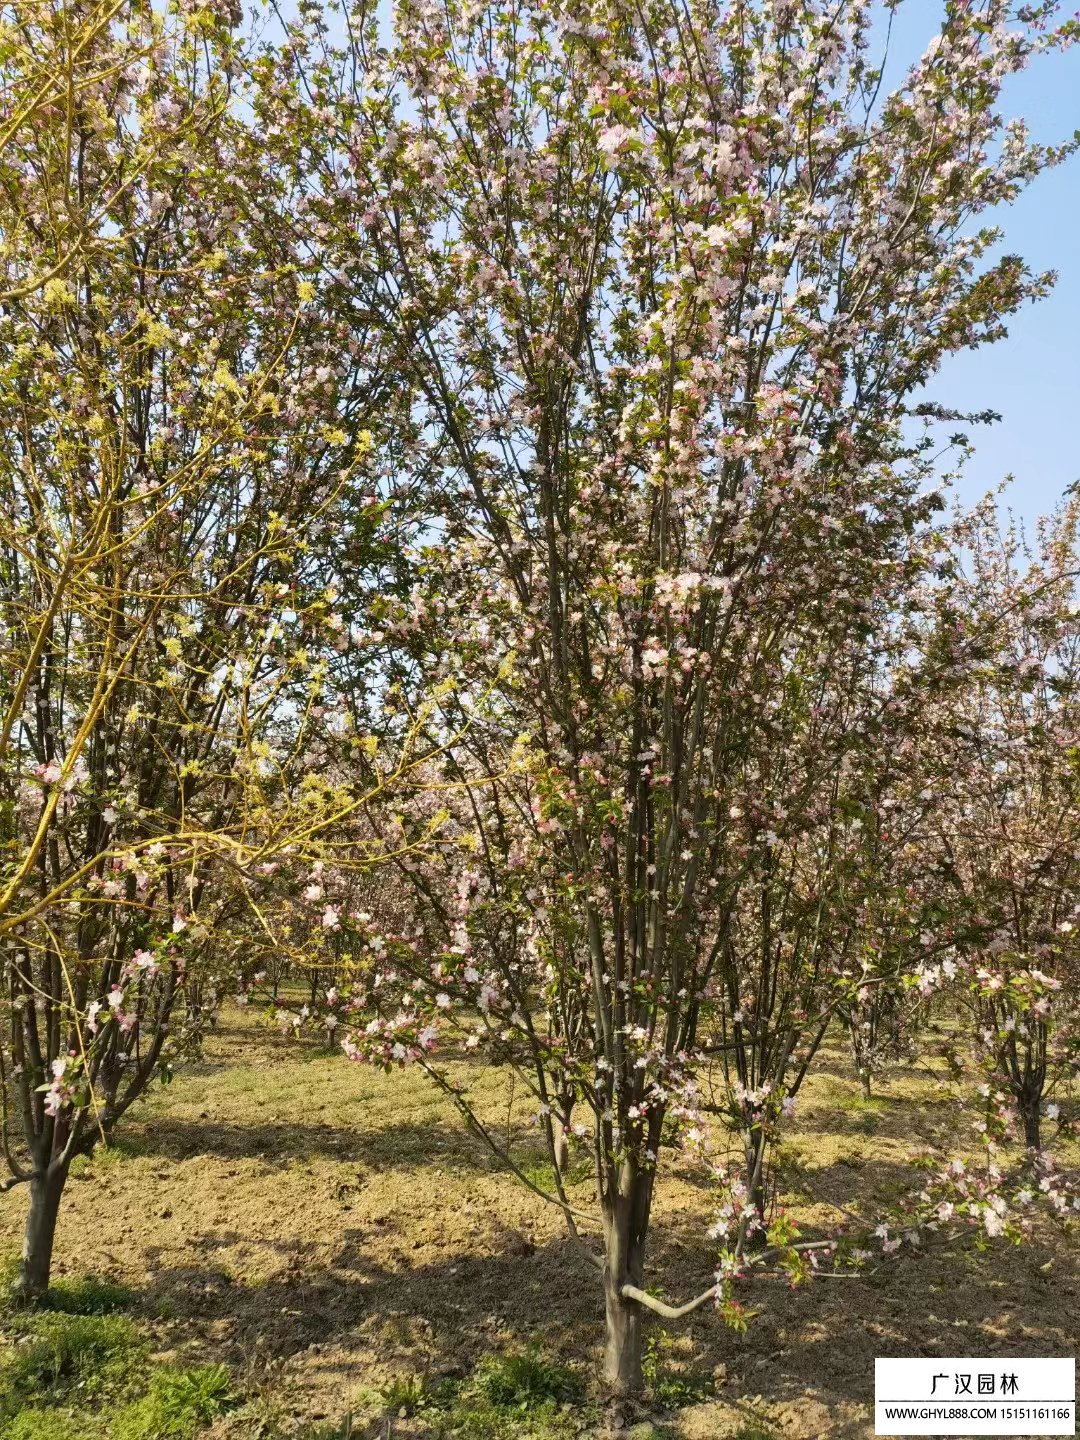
(176,427)
(317,902)
(828,916)
(661,282)
(1010,828)
(904,928)
(840,913)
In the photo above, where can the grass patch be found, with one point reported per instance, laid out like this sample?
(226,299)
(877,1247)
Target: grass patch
(177,1405)
(79,1371)
(59,1357)
(518,1396)
(472,1419)
(44,1425)
(756,1425)
(847,1099)
(103,1159)
(537,1168)
(89,1296)
(522,1379)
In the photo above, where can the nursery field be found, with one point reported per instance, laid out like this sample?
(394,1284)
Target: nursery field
(359,1264)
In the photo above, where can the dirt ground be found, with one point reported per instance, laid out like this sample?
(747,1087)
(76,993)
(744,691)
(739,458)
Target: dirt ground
(324,1228)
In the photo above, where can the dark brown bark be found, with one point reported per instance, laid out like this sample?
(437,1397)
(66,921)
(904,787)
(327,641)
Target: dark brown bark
(622,1318)
(1032,1135)
(626,1218)
(754,1146)
(35,1267)
(623,1341)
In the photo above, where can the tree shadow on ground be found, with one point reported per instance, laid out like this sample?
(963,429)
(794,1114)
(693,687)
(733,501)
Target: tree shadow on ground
(402,1145)
(364,1318)
(447,1309)
(883,1115)
(851,1183)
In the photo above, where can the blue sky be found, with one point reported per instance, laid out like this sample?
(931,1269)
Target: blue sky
(1032,379)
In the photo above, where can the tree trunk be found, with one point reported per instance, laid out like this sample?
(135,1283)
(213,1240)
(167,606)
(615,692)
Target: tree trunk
(624,1264)
(754,1146)
(859,1059)
(560,1129)
(622,1346)
(562,1145)
(35,1268)
(1030,1112)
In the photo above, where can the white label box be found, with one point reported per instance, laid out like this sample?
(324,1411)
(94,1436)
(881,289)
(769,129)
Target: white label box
(975,1396)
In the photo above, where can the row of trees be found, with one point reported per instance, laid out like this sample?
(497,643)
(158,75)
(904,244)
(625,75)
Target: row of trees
(466,509)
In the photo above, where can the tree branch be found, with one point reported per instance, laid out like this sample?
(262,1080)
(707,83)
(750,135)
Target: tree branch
(659,1307)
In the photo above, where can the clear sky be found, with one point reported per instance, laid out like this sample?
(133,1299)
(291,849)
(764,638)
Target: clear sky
(1032,379)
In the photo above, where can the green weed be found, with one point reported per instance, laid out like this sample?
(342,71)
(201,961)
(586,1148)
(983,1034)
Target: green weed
(89,1296)
(404,1395)
(60,1356)
(104,1159)
(344,1431)
(537,1168)
(520,1396)
(522,1379)
(176,1405)
(44,1425)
